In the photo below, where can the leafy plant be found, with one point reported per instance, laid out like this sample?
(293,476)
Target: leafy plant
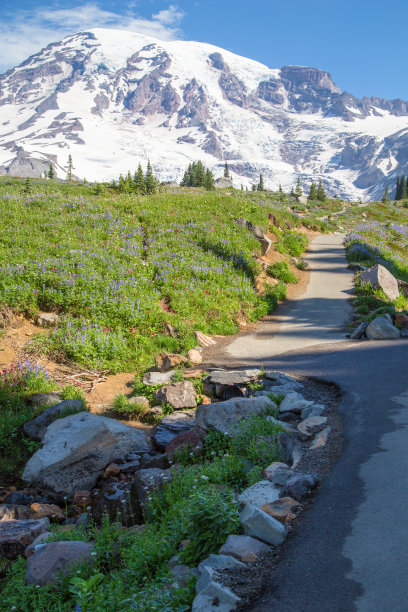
(282,271)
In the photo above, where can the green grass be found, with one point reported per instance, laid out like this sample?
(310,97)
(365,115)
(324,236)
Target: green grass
(291,243)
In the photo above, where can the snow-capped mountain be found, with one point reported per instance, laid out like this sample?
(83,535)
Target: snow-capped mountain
(113,98)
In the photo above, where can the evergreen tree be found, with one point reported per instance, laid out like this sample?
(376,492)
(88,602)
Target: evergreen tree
(320,193)
(403,187)
(209,180)
(150,183)
(139,181)
(51,172)
(386,197)
(292,193)
(312,193)
(27,186)
(280,190)
(226,171)
(260,186)
(199,175)
(253,187)
(242,187)
(121,184)
(298,190)
(70,167)
(398,190)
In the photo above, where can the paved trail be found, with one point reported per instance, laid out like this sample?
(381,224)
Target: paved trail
(351,550)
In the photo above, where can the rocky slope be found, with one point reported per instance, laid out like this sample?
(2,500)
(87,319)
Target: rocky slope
(114,98)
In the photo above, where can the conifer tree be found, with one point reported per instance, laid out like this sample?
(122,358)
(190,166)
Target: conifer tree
(226,171)
(298,190)
(199,175)
(209,180)
(242,187)
(150,183)
(280,190)
(292,193)
(51,172)
(121,184)
(397,195)
(403,188)
(70,167)
(27,186)
(139,181)
(253,187)
(386,197)
(312,193)
(320,193)
(260,186)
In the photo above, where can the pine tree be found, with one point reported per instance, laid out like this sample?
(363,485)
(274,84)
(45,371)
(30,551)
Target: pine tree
(70,167)
(27,186)
(298,190)
(242,187)
(139,181)
(386,197)
(226,171)
(209,180)
(280,190)
(253,187)
(150,183)
(398,190)
(260,186)
(292,193)
(199,175)
(320,193)
(403,187)
(121,184)
(312,193)
(51,172)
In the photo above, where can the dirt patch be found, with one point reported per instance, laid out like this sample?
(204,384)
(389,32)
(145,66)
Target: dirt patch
(101,397)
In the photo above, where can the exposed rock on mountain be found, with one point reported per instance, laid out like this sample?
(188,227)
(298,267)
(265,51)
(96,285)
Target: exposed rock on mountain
(114,98)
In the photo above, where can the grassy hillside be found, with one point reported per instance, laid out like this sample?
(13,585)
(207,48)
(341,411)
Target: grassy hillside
(120,269)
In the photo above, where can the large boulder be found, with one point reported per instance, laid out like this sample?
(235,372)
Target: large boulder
(381,328)
(173,425)
(179,395)
(380,278)
(260,525)
(44,399)
(77,450)
(15,536)
(225,416)
(36,428)
(52,559)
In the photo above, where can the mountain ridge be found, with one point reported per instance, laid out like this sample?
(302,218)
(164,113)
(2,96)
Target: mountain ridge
(112,98)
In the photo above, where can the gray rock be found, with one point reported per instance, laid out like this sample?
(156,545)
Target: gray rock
(214,563)
(130,466)
(288,447)
(307,426)
(172,425)
(314,410)
(262,492)
(233,377)
(244,548)
(148,480)
(158,378)
(46,565)
(39,541)
(380,278)
(179,395)
(36,428)
(118,500)
(19,498)
(299,485)
(273,468)
(294,402)
(281,476)
(404,333)
(15,536)
(257,523)
(182,574)
(225,416)
(381,328)
(223,182)
(47,319)
(321,439)
(44,399)
(272,375)
(359,331)
(77,450)
(215,598)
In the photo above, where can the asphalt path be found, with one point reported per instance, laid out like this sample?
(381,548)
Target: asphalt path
(351,549)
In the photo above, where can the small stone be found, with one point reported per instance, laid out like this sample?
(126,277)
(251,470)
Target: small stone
(272,375)
(111,470)
(401,320)
(158,378)
(13,512)
(244,548)
(321,439)
(213,564)
(281,476)
(283,510)
(294,402)
(204,340)
(215,598)
(18,497)
(259,494)
(51,511)
(299,485)
(139,400)
(195,357)
(271,470)
(359,331)
(169,361)
(192,373)
(130,467)
(83,498)
(306,427)
(257,523)
(46,565)
(179,395)
(314,410)
(182,574)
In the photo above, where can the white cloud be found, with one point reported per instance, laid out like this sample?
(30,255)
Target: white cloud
(26,32)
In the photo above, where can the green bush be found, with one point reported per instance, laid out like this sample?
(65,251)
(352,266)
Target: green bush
(282,271)
(292,244)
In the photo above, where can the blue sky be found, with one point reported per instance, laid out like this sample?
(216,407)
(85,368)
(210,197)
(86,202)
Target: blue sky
(362,43)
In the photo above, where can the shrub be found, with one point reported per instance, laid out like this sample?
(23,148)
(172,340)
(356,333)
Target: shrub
(73,392)
(282,271)
(292,244)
